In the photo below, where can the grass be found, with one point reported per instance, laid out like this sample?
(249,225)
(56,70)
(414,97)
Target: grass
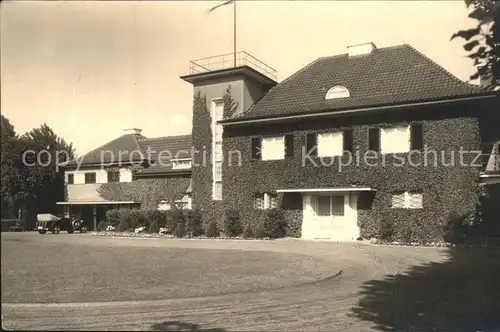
(34,271)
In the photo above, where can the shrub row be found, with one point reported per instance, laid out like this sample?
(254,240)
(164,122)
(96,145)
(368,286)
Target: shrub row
(181,223)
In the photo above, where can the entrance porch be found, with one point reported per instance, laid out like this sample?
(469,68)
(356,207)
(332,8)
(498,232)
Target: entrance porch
(330,213)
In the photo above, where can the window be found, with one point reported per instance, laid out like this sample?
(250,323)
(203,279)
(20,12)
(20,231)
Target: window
(407,200)
(273,148)
(330,206)
(90,178)
(184,203)
(163,205)
(337,92)
(258,201)
(217,190)
(218,151)
(181,164)
(272,201)
(398,200)
(395,139)
(324,206)
(217,155)
(113,176)
(71,178)
(330,144)
(265,201)
(218,170)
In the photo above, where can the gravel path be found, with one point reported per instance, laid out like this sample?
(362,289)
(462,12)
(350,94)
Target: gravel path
(327,304)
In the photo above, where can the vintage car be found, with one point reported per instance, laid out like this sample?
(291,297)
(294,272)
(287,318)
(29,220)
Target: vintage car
(49,222)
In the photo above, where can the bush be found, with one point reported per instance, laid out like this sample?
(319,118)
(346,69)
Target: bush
(154,228)
(248,232)
(138,218)
(197,223)
(175,216)
(232,224)
(124,226)
(386,230)
(102,226)
(213,230)
(113,217)
(124,217)
(260,233)
(188,217)
(180,230)
(275,224)
(454,230)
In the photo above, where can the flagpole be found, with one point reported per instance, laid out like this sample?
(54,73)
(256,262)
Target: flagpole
(234,28)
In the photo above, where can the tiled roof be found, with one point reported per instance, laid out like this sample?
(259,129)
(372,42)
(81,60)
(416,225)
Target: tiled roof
(166,148)
(387,76)
(110,152)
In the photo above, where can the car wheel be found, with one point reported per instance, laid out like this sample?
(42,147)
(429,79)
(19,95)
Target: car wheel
(83,230)
(42,232)
(71,231)
(56,230)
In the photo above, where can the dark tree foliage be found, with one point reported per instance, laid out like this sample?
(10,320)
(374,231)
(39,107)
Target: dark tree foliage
(482,42)
(32,180)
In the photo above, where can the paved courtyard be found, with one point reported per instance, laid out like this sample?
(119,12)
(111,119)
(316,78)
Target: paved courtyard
(86,282)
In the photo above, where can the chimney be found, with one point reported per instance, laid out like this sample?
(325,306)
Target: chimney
(133,131)
(359,49)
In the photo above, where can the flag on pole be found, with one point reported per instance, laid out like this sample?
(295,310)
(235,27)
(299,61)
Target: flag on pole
(227,2)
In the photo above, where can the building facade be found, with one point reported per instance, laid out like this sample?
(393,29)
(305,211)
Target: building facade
(343,145)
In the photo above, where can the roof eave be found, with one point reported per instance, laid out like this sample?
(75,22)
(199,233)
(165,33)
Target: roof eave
(351,110)
(163,173)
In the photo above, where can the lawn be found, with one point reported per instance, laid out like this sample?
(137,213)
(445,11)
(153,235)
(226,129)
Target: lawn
(38,271)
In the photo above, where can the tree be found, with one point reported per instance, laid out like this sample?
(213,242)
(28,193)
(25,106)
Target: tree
(31,177)
(482,42)
(9,173)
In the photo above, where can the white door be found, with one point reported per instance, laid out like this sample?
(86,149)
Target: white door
(330,222)
(330,216)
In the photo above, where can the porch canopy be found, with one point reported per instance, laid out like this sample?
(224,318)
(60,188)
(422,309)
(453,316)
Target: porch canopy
(325,190)
(95,202)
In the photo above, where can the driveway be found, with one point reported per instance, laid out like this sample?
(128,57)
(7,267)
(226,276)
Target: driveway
(325,286)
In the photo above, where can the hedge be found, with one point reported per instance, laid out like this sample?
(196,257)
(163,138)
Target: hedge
(126,220)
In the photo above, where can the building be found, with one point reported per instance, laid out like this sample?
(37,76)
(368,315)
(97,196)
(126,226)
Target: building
(129,172)
(390,103)
(342,145)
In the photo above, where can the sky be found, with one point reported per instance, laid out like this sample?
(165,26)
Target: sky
(90,69)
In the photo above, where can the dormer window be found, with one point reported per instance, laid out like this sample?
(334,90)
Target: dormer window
(337,92)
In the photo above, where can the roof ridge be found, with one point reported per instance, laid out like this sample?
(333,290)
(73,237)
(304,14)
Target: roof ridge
(164,137)
(444,70)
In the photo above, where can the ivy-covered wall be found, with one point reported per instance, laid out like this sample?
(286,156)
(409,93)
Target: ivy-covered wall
(147,191)
(447,191)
